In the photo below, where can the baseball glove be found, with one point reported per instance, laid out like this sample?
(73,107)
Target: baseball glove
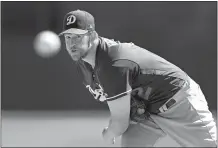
(138,110)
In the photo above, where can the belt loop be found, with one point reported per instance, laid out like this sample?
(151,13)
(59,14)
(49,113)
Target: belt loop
(161,109)
(164,107)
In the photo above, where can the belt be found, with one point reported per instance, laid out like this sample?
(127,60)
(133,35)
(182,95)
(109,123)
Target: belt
(166,106)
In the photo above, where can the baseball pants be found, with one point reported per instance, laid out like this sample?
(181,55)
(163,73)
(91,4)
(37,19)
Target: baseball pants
(188,121)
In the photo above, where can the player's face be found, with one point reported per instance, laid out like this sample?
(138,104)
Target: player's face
(77,45)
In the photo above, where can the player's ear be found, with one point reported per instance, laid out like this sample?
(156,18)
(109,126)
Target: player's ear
(92,35)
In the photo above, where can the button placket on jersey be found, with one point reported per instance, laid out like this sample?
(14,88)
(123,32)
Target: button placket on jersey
(97,81)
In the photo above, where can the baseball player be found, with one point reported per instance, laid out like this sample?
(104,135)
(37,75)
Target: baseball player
(148,97)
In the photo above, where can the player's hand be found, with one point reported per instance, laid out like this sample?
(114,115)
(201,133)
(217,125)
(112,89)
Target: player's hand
(106,136)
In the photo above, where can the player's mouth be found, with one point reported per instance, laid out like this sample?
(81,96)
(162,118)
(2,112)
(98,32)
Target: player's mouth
(73,50)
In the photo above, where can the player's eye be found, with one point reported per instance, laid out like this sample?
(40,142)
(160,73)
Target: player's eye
(67,37)
(79,36)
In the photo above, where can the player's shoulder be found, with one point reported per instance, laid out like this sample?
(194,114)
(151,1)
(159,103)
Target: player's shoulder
(115,48)
(108,44)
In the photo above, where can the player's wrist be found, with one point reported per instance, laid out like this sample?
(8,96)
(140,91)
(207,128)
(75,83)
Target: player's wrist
(108,136)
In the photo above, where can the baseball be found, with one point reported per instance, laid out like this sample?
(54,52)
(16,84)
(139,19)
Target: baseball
(47,44)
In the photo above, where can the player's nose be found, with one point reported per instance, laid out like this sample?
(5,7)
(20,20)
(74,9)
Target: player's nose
(73,48)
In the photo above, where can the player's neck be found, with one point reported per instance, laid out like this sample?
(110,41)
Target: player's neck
(91,56)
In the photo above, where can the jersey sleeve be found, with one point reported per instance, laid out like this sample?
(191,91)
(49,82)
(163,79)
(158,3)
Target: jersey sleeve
(123,73)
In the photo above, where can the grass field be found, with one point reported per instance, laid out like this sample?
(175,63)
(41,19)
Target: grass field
(57,129)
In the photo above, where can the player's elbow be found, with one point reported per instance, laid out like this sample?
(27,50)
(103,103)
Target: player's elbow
(124,128)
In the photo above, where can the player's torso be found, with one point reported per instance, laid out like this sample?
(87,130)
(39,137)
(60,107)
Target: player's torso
(157,79)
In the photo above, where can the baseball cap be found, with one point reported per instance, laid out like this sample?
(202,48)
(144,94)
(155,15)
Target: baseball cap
(78,22)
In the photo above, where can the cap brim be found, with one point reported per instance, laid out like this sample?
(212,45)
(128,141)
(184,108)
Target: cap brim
(73,31)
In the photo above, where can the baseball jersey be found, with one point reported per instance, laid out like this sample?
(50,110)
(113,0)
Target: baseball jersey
(154,78)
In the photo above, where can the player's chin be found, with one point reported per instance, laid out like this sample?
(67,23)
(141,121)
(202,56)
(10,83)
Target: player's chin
(76,56)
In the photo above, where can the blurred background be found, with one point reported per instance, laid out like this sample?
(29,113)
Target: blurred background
(36,91)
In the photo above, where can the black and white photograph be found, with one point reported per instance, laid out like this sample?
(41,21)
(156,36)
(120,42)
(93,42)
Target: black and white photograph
(109,73)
